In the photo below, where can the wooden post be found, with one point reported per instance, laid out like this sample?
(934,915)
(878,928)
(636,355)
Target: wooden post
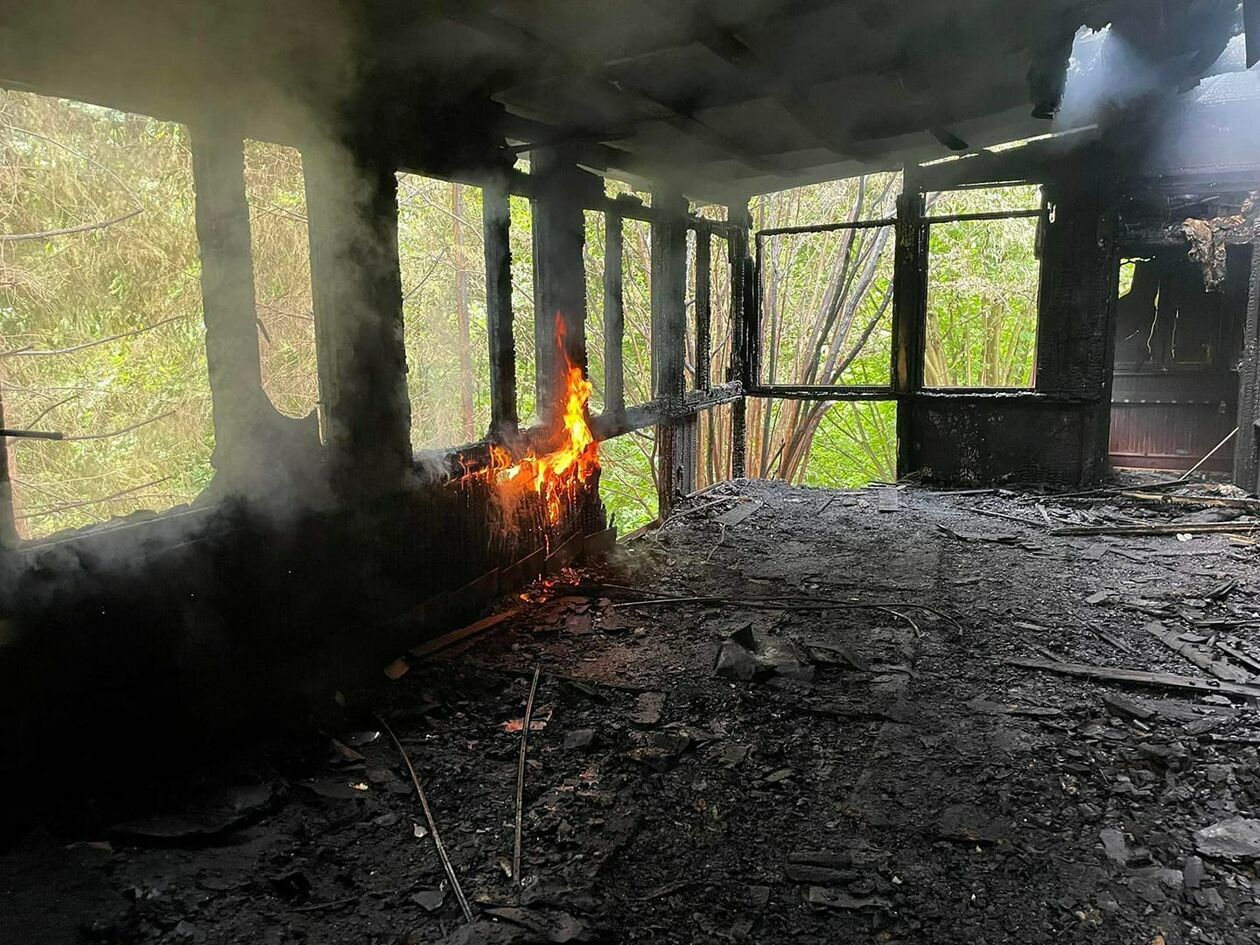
(227,292)
(704,307)
(614,319)
(352,212)
(675,442)
(909,315)
(1246,445)
(496,215)
(741,315)
(561,188)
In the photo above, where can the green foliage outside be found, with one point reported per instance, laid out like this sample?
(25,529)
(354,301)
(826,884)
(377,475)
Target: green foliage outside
(103,335)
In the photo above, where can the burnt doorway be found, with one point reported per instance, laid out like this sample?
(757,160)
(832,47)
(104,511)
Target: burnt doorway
(1178,344)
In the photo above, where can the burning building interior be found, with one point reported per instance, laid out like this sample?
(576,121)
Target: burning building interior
(540,471)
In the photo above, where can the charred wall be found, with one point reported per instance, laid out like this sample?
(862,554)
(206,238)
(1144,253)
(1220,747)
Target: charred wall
(1057,431)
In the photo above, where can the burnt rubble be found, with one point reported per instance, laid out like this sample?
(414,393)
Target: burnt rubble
(916,784)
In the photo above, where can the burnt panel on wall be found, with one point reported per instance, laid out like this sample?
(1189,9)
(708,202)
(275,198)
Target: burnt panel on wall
(1175,391)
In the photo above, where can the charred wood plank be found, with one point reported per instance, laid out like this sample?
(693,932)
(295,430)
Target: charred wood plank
(1136,677)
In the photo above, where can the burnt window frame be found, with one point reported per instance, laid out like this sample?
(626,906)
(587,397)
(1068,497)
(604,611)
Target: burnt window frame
(1045,216)
(760,388)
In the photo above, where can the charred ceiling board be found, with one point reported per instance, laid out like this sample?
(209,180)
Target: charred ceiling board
(437,85)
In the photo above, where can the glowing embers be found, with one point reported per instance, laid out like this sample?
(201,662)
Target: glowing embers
(556,475)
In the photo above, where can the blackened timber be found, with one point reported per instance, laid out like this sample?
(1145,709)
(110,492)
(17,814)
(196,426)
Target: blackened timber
(704,308)
(561,188)
(909,312)
(496,222)
(1247,446)
(669,327)
(227,291)
(614,317)
(741,293)
(352,212)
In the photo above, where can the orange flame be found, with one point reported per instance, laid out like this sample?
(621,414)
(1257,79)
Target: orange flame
(556,475)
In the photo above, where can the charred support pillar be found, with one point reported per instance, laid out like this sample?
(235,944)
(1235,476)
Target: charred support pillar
(352,209)
(742,297)
(909,315)
(561,188)
(227,290)
(1247,439)
(499,317)
(676,443)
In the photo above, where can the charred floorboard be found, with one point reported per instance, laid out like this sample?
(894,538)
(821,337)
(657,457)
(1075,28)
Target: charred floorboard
(867,763)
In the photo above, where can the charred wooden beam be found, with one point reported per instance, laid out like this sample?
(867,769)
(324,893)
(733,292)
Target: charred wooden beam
(742,297)
(704,308)
(561,191)
(352,209)
(496,221)
(227,291)
(1247,445)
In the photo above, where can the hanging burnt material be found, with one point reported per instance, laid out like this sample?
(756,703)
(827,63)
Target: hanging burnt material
(1208,240)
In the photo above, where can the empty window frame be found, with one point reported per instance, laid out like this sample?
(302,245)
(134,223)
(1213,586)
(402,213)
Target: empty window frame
(825,264)
(101,314)
(442,262)
(710,330)
(834,444)
(984,277)
(280,244)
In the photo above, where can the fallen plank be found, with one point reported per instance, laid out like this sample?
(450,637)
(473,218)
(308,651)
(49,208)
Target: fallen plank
(1185,528)
(1222,501)
(1192,654)
(1239,656)
(1138,677)
(447,639)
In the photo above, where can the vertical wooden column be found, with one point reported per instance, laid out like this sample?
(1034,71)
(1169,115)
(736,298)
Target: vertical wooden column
(675,442)
(496,216)
(1246,442)
(742,300)
(227,292)
(704,308)
(352,212)
(614,319)
(560,189)
(909,315)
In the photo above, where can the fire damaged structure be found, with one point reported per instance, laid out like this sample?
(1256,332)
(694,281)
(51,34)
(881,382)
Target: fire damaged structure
(325,546)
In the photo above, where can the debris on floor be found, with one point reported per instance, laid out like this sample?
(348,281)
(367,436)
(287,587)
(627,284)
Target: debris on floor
(859,727)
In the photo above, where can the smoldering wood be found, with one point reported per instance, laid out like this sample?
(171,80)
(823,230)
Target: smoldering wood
(356,290)
(560,276)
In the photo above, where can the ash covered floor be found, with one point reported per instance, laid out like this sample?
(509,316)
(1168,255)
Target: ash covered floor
(887,776)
